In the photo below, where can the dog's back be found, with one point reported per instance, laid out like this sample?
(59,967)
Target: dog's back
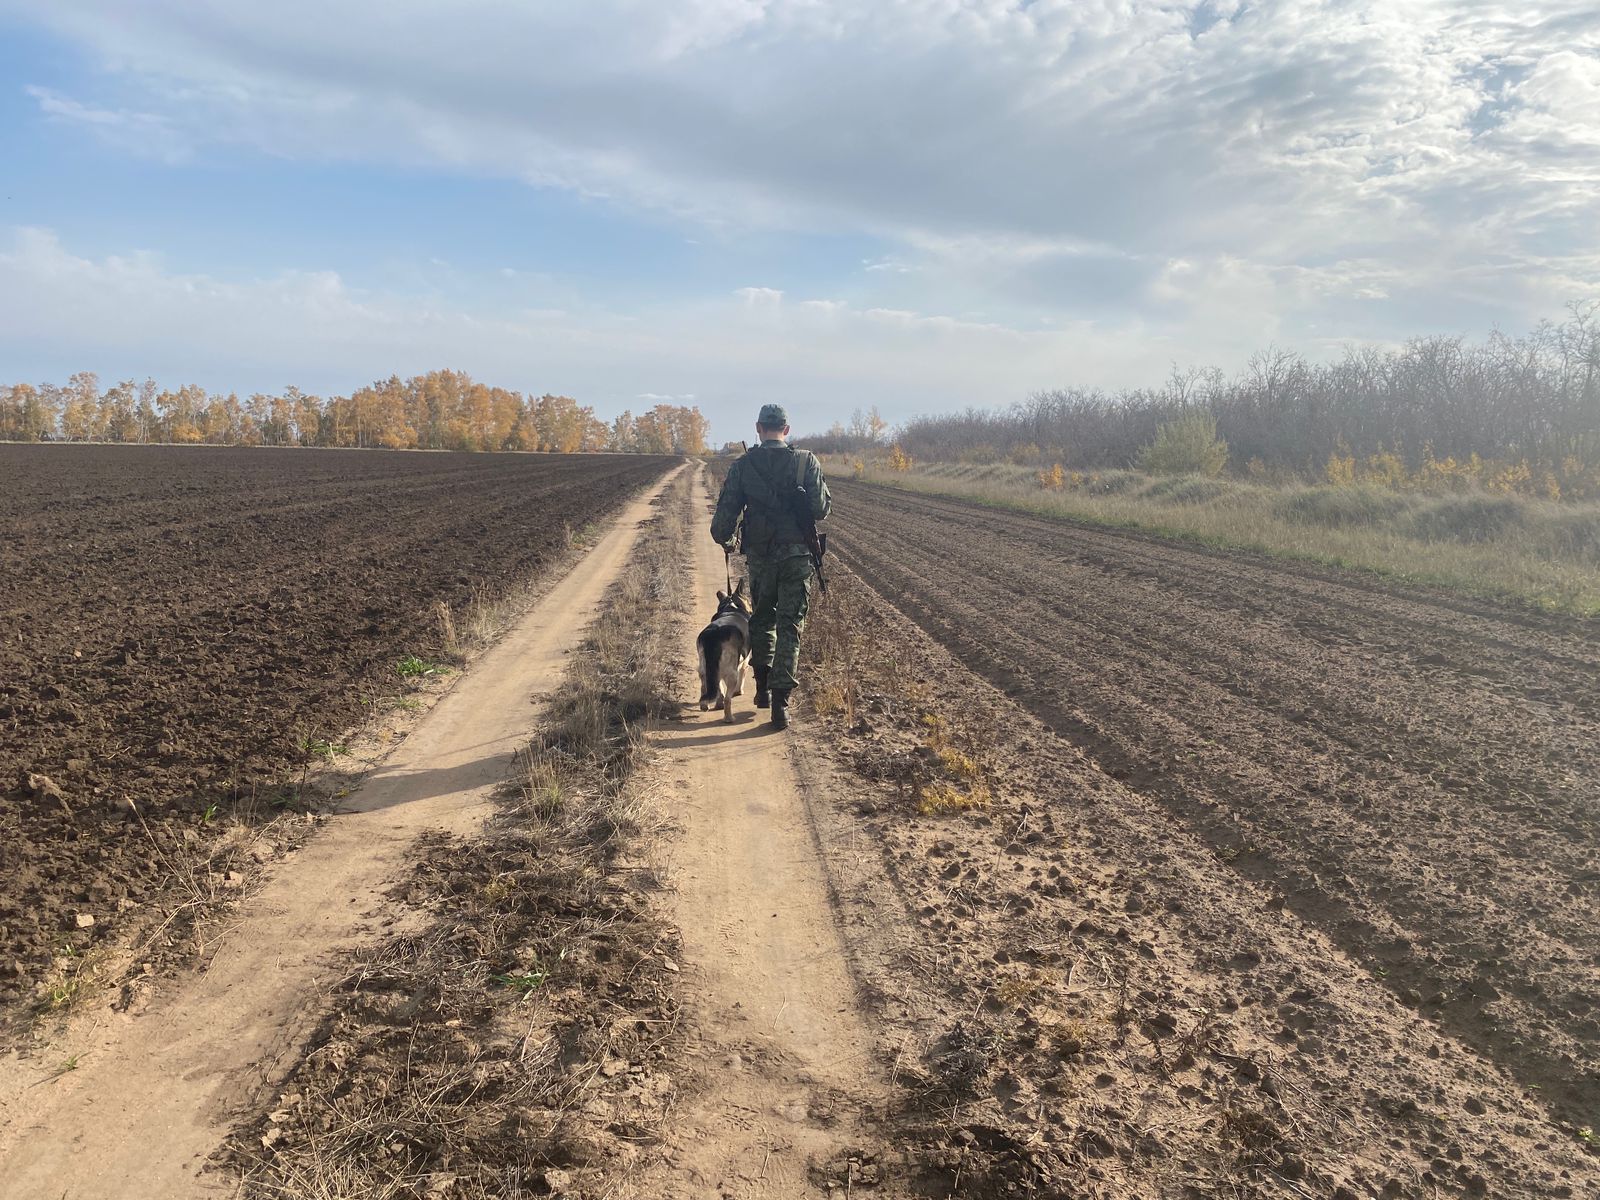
(723,651)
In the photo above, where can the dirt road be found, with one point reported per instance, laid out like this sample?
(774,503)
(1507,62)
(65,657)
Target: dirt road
(788,1082)
(1416,776)
(151,1097)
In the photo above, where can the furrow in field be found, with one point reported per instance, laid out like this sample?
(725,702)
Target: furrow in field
(1418,778)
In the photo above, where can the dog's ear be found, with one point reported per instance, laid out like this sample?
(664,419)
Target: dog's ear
(738,588)
(722,597)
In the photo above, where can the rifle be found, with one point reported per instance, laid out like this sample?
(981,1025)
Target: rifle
(816,543)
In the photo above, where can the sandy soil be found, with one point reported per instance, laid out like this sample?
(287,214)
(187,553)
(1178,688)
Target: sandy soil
(150,1097)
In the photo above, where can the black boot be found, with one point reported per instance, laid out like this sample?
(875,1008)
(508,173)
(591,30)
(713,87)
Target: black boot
(762,698)
(780,709)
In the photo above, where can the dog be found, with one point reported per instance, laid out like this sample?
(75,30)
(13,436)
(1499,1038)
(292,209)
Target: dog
(723,652)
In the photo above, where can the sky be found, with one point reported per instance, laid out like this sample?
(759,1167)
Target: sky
(922,205)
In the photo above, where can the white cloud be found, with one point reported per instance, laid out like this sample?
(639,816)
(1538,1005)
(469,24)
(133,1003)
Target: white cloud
(129,315)
(139,133)
(1149,126)
(760,297)
(1202,175)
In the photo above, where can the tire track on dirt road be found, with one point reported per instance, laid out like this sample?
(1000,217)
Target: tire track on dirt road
(152,1096)
(1419,776)
(788,1080)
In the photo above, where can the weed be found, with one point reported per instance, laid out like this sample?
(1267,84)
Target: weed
(522,983)
(447,630)
(1027,987)
(209,815)
(412,667)
(544,787)
(958,764)
(941,799)
(76,977)
(322,748)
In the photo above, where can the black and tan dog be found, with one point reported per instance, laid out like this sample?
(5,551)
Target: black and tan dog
(723,652)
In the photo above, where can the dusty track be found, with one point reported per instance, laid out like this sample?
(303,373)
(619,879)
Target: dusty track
(1417,776)
(152,1096)
(788,1081)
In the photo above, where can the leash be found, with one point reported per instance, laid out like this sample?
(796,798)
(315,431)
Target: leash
(727,566)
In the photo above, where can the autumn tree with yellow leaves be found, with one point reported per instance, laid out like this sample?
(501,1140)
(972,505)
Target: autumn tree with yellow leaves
(441,410)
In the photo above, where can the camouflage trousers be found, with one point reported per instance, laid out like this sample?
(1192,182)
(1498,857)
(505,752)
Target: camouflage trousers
(780,595)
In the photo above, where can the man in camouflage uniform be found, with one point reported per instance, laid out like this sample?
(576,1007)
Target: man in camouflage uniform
(760,486)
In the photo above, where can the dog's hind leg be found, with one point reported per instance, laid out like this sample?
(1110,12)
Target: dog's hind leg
(710,670)
(728,675)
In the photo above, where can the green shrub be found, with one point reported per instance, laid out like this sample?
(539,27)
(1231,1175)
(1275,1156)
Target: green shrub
(1186,446)
(1470,518)
(1342,507)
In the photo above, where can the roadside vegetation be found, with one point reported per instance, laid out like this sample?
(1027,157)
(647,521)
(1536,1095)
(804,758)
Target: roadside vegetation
(1541,552)
(1521,414)
(1474,466)
(513,1041)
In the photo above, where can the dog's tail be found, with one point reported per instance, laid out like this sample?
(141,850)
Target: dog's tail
(710,667)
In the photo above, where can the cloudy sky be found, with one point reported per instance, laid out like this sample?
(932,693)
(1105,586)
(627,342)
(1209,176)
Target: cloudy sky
(920,204)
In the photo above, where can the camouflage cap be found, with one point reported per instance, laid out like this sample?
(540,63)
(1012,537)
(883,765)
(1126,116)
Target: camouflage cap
(772,417)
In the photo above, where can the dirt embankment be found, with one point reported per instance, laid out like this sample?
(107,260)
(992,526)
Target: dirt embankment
(185,628)
(1287,880)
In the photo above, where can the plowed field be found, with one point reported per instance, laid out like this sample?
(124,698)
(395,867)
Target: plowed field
(178,626)
(1411,776)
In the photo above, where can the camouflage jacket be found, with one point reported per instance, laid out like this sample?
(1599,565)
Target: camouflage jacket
(758,486)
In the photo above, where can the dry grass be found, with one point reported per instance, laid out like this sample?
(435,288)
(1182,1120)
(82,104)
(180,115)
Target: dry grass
(1538,552)
(510,1043)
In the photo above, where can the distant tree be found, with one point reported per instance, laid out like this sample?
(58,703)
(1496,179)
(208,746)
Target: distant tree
(80,413)
(438,410)
(25,414)
(117,419)
(624,434)
(148,416)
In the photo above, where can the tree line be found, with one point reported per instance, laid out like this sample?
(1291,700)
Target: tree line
(441,410)
(1533,399)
